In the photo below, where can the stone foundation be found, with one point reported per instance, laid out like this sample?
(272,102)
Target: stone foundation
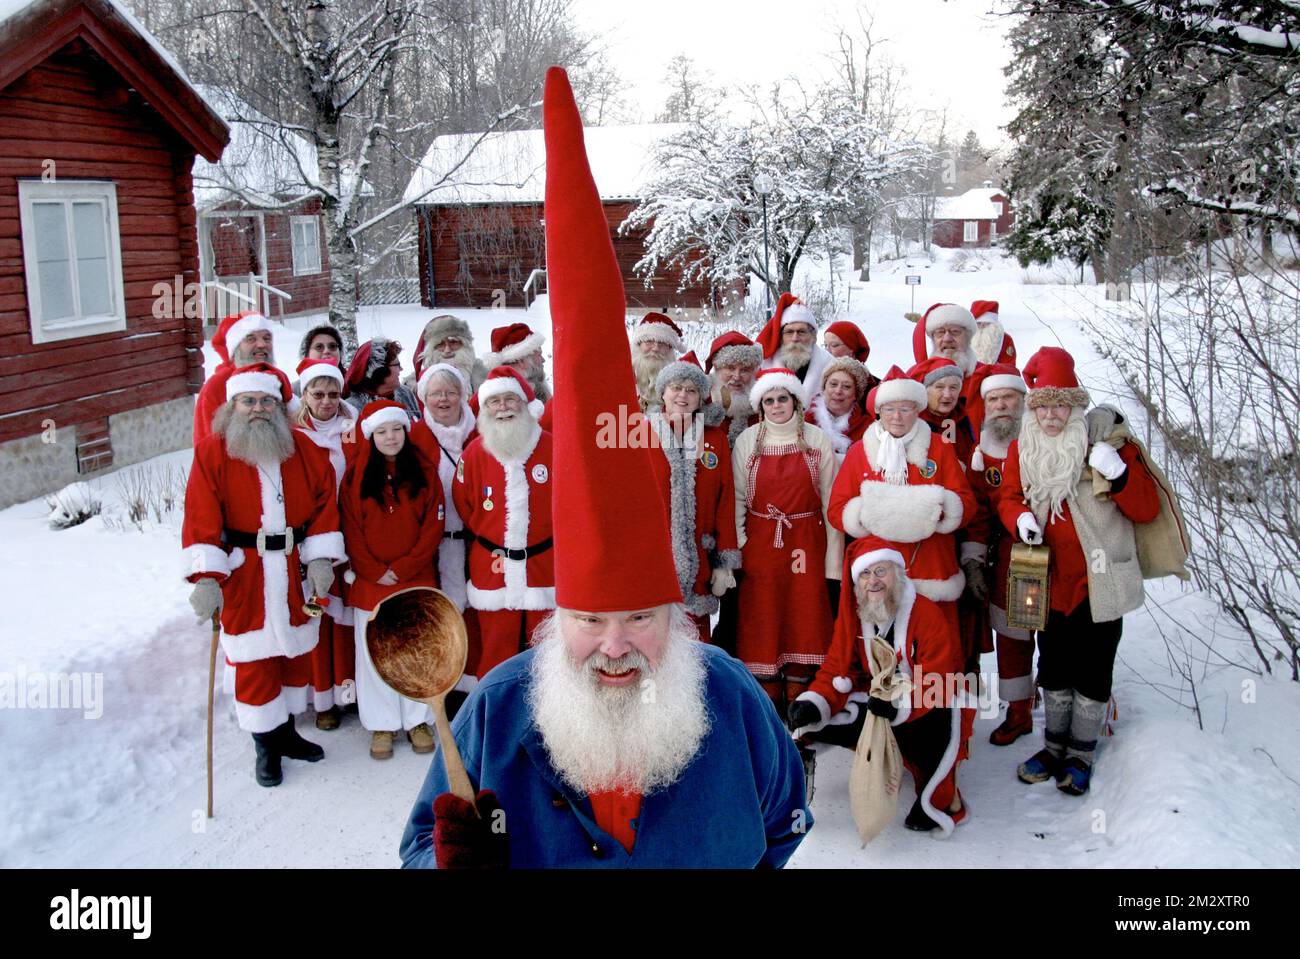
(35,465)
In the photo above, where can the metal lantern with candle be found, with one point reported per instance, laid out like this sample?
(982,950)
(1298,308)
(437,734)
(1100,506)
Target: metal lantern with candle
(1027,597)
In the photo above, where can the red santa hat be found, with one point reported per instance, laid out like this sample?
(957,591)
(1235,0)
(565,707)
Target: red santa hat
(934,369)
(512,343)
(311,369)
(778,377)
(376,413)
(897,386)
(999,376)
(609,555)
(659,328)
(370,356)
(940,314)
(870,550)
(507,379)
(259,378)
(234,328)
(733,349)
(852,337)
(788,310)
(1051,379)
(981,307)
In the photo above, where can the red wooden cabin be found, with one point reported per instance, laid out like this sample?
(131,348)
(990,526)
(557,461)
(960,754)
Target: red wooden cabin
(978,217)
(100,352)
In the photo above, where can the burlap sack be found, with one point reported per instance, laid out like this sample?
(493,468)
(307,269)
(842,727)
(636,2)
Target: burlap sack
(877,764)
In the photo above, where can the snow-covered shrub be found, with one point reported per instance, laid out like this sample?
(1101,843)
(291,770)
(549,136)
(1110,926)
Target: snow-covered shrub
(150,491)
(73,505)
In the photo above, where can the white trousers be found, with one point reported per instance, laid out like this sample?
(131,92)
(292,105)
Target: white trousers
(380,707)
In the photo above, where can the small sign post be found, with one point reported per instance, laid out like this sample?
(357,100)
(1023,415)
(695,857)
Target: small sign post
(913,281)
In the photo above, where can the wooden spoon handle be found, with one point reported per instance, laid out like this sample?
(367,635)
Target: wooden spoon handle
(457,778)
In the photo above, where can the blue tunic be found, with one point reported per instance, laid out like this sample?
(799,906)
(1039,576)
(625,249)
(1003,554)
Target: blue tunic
(739,804)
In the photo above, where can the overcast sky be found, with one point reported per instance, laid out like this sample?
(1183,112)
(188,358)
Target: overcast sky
(953,51)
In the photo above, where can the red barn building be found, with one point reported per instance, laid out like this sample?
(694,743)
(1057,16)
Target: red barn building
(976,218)
(99,129)
(479,208)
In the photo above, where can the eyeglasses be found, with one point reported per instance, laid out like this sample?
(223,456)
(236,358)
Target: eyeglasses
(879,572)
(258,402)
(442,395)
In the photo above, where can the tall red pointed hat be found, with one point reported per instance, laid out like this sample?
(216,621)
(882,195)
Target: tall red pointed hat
(612,548)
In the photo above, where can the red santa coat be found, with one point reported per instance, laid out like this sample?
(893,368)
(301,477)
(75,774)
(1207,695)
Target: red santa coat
(1134,495)
(987,475)
(261,615)
(700,501)
(338,439)
(403,534)
(510,505)
(211,397)
(921,516)
(928,652)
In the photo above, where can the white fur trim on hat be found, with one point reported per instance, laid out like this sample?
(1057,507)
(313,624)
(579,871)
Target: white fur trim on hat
(767,382)
(891,391)
(1003,381)
(389,414)
(659,332)
(317,370)
(516,351)
(496,385)
(876,556)
(242,327)
(254,382)
(798,313)
(443,368)
(949,314)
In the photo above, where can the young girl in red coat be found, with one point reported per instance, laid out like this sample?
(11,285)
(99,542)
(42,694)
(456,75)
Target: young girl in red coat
(392,507)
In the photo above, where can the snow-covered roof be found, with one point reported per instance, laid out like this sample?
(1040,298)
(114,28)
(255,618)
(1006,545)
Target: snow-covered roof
(18,16)
(510,167)
(972,205)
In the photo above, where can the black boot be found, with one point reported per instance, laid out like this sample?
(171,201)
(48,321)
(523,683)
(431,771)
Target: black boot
(289,743)
(918,820)
(268,760)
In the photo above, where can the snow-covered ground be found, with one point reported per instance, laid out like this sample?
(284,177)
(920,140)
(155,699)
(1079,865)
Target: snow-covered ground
(120,780)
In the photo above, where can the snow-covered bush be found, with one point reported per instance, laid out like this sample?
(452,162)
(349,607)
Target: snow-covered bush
(73,505)
(150,491)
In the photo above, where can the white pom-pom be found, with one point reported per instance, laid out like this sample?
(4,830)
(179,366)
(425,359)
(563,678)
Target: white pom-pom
(842,684)
(350,577)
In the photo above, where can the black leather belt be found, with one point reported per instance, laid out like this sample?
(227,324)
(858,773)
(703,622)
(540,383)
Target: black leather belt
(263,541)
(464,534)
(515,554)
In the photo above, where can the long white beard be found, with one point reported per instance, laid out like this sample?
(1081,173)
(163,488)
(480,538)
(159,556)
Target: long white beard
(794,356)
(635,738)
(507,440)
(255,442)
(965,359)
(647,370)
(462,359)
(879,608)
(1003,429)
(893,453)
(986,344)
(1050,466)
(536,378)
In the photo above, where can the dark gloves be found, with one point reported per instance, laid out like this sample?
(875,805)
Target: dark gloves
(462,840)
(883,708)
(802,713)
(977,583)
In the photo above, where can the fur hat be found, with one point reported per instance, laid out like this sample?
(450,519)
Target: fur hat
(847,364)
(1051,379)
(688,369)
(733,349)
(777,377)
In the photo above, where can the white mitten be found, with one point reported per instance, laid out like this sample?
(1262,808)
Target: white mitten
(721,581)
(320,576)
(1105,459)
(206,598)
(1028,528)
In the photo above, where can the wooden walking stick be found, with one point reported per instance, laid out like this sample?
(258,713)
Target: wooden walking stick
(212,679)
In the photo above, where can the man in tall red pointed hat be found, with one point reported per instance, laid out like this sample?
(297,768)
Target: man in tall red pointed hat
(732,364)
(619,739)
(656,342)
(789,341)
(241,340)
(991,343)
(1082,495)
(503,495)
(260,500)
(947,330)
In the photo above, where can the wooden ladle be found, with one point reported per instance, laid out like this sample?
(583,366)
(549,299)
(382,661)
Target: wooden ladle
(418,643)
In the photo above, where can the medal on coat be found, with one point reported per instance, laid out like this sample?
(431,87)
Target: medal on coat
(929,469)
(460,471)
(709,459)
(993,476)
(540,473)
(487,498)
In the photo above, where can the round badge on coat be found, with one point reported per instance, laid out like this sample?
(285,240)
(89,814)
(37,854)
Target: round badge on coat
(929,469)
(993,476)
(540,473)
(709,459)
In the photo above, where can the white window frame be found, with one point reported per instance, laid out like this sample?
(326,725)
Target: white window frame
(970,231)
(303,269)
(997,205)
(68,192)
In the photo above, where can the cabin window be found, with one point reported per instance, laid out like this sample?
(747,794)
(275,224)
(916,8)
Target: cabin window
(997,206)
(306,245)
(971,231)
(73,258)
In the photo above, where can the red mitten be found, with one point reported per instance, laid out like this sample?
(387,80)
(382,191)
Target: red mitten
(462,840)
